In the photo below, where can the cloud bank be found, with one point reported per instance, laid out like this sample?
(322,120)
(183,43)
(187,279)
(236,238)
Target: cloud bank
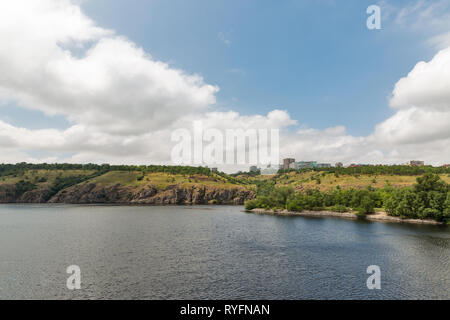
(123,105)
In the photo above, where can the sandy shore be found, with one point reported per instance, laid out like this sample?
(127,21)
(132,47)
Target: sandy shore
(379,216)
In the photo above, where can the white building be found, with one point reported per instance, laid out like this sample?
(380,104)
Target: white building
(270,170)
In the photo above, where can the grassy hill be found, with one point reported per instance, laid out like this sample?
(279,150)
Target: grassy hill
(118,184)
(325,181)
(71,182)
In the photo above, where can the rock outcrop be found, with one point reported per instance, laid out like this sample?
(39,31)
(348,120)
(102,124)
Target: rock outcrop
(90,193)
(195,195)
(35,196)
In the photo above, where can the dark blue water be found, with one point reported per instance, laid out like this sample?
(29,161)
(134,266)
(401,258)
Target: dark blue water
(214,253)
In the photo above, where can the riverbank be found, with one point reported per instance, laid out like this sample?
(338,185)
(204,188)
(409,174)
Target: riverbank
(378,216)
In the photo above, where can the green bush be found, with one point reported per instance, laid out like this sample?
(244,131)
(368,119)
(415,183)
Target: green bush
(367,204)
(430,213)
(22,187)
(428,199)
(295,204)
(360,213)
(251,204)
(339,208)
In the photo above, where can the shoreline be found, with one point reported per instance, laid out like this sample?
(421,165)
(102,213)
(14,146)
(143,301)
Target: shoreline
(378,216)
(118,204)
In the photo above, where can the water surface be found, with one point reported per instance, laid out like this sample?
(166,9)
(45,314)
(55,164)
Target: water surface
(214,252)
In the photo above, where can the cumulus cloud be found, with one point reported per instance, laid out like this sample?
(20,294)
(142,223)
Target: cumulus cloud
(114,86)
(414,125)
(426,86)
(422,99)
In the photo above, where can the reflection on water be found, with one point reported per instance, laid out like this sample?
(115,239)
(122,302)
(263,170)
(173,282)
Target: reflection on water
(211,252)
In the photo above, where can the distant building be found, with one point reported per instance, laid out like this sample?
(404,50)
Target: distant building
(357,165)
(338,165)
(416,163)
(323,165)
(287,163)
(293,165)
(446,165)
(307,164)
(270,170)
(214,170)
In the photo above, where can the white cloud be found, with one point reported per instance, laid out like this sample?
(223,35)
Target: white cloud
(414,125)
(421,17)
(426,86)
(422,99)
(114,87)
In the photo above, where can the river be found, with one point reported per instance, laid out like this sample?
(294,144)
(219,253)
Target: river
(214,252)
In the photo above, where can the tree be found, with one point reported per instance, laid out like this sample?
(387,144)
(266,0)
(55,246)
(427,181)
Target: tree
(446,213)
(430,182)
(367,204)
(281,195)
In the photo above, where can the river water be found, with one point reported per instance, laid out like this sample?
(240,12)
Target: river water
(214,252)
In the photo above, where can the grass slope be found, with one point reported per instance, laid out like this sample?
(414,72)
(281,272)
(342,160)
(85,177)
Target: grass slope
(325,181)
(42,179)
(322,180)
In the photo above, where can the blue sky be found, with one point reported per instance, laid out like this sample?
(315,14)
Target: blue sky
(316,59)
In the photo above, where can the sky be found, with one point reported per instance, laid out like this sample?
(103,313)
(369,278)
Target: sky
(302,56)
(109,81)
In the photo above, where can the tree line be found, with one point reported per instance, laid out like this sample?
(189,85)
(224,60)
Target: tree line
(401,170)
(20,168)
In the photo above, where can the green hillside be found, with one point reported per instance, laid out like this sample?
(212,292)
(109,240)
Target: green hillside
(365,189)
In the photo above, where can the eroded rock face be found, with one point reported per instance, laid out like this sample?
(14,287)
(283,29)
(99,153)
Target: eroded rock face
(172,195)
(90,193)
(198,195)
(35,196)
(8,194)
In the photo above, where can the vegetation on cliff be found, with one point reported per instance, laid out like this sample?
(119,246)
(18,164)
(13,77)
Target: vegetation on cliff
(399,170)
(72,183)
(21,168)
(328,179)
